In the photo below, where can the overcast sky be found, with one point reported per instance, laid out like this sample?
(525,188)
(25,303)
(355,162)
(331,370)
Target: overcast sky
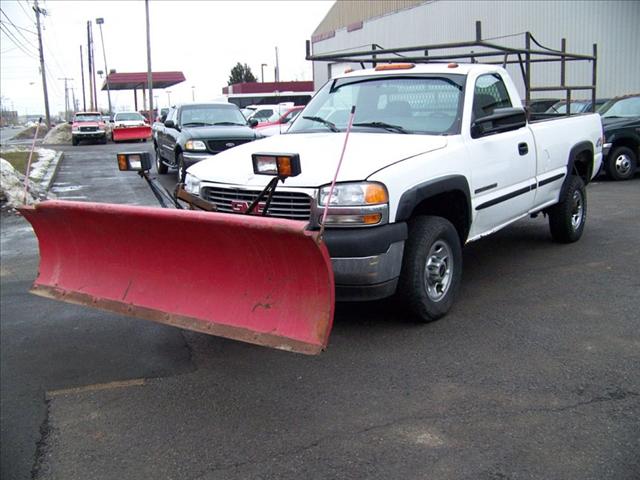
(202,39)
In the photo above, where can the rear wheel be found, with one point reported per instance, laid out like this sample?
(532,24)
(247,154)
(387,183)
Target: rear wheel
(431,268)
(567,218)
(622,163)
(161,168)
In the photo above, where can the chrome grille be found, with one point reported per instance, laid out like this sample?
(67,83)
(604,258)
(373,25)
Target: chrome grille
(88,129)
(292,205)
(217,146)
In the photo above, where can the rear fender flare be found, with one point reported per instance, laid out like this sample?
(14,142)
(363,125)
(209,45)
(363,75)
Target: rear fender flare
(575,152)
(423,191)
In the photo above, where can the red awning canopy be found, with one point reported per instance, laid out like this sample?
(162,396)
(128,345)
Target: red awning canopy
(132,81)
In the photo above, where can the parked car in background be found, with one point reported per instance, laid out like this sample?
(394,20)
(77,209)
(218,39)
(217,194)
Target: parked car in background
(269,113)
(541,105)
(577,106)
(195,131)
(621,149)
(88,126)
(281,124)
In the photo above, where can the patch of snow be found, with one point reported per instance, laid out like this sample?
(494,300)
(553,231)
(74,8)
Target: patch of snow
(12,181)
(60,134)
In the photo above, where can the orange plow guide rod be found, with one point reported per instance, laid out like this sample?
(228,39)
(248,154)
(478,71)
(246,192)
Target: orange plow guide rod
(131,133)
(260,280)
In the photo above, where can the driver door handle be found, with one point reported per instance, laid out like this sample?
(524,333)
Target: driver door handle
(523,148)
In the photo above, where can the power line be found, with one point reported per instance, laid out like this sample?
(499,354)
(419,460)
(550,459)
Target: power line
(15,41)
(17,29)
(25,11)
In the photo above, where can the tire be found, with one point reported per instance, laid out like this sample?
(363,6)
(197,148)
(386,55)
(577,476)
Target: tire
(74,141)
(161,168)
(622,163)
(182,171)
(567,218)
(431,268)
(103,140)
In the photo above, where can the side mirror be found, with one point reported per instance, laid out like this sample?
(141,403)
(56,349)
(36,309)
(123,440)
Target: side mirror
(163,118)
(169,124)
(252,122)
(501,120)
(70,122)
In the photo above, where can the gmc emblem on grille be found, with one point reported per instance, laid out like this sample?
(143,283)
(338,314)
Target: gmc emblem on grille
(229,145)
(241,207)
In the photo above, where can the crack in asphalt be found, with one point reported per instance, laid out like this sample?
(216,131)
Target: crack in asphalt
(614,396)
(42,443)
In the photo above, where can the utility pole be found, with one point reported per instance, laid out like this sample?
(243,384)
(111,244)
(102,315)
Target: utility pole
(193,93)
(100,21)
(149,71)
(277,67)
(40,11)
(84,100)
(89,65)
(66,98)
(93,68)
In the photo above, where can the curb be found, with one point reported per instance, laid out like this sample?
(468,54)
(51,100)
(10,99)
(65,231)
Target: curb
(52,171)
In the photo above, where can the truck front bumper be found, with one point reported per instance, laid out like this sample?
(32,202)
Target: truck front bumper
(366,261)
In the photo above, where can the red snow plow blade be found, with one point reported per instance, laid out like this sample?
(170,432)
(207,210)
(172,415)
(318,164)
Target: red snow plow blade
(131,133)
(260,280)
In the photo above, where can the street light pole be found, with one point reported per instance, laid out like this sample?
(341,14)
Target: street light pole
(100,21)
(262,71)
(193,93)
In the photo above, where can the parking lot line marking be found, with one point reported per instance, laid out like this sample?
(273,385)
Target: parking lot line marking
(136,382)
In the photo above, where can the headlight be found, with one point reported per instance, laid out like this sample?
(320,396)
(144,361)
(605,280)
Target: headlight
(192,184)
(195,145)
(353,194)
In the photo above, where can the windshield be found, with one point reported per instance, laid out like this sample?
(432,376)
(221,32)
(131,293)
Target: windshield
(400,104)
(624,107)
(88,117)
(204,115)
(128,116)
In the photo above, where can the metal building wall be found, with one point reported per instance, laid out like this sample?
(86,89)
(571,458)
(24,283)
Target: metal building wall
(613,25)
(346,12)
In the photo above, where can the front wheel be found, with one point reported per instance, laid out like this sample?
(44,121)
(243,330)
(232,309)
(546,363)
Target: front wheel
(161,168)
(74,141)
(567,217)
(182,169)
(431,268)
(622,163)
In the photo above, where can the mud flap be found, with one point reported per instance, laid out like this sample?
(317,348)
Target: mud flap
(131,133)
(260,280)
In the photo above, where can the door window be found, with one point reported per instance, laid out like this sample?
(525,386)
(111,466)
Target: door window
(490,93)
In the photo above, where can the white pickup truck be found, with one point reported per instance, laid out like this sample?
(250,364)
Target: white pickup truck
(438,156)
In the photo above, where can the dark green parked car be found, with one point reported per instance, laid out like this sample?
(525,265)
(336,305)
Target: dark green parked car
(621,149)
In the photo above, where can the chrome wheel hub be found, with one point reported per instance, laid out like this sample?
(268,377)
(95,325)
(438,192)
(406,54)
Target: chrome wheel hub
(577,210)
(623,164)
(439,270)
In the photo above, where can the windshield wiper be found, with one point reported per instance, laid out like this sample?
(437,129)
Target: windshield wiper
(228,123)
(386,126)
(196,124)
(329,124)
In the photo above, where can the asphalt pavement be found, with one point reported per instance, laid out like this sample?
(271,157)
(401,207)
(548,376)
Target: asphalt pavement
(533,375)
